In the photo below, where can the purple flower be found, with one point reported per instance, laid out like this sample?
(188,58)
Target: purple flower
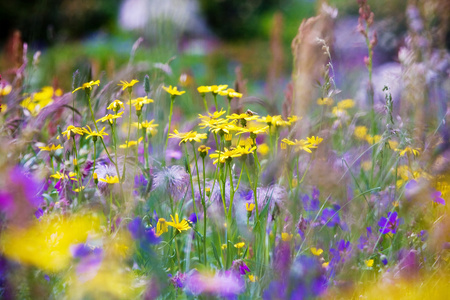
(436,197)
(389,224)
(223,284)
(246,195)
(140,232)
(178,280)
(193,218)
(330,217)
(310,204)
(240,267)
(341,252)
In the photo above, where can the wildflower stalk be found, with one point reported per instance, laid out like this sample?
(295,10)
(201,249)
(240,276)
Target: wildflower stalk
(77,169)
(215,101)
(204,209)
(95,157)
(128,138)
(204,102)
(51,162)
(103,142)
(230,208)
(172,100)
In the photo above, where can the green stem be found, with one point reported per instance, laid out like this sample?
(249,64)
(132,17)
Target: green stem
(204,210)
(230,208)
(204,102)
(128,138)
(170,121)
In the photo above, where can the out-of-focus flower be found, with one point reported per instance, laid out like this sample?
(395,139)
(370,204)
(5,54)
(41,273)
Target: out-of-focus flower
(325,101)
(116,105)
(225,156)
(230,93)
(369,263)
(178,280)
(240,267)
(263,149)
(389,224)
(173,91)
(346,104)
(129,144)
(5,89)
(222,284)
(139,102)
(37,101)
(408,149)
(239,245)
(46,244)
(360,132)
(436,197)
(87,85)
(286,237)
(149,126)
(180,226)
(125,84)
(173,179)
(188,136)
(330,217)
(316,252)
(110,117)
(314,140)
(140,232)
(341,252)
(252,278)
(51,147)
(373,139)
(249,206)
(61,176)
(218,88)
(204,89)
(193,218)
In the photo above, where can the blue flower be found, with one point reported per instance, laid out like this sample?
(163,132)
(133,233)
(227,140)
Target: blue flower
(330,216)
(389,224)
(140,232)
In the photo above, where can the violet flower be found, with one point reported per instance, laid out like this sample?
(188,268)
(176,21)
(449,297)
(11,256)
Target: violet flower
(330,216)
(140,232)
(389,224)
(436,197)
(240,267)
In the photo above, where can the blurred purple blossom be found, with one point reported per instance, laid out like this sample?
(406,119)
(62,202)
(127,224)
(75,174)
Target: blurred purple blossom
(389,224)
(240,267)
(330,216)
(140,232)
(226,284)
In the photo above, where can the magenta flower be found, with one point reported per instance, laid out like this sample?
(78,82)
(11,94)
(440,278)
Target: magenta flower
(389,224)
(436,196)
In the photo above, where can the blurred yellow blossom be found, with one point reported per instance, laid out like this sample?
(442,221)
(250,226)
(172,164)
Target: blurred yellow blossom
(125,84)
(87,85)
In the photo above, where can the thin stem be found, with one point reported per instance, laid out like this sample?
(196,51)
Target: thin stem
(170,121)
(230,209)
(128,137)
(204,210)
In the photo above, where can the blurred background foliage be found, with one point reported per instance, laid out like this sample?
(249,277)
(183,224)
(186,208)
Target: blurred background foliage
(207,38)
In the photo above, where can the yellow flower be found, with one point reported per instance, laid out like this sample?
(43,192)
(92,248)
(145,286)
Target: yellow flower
(91,133)
(252,278)
(286,237)
(373,139)
(139,102)
(246,149)
(299,144)
(46,244)
(110,179)
(129,144)
(243,116)
(180,226)
(230,93)
(72,130)
(149,126)
(203,149)
(263,149)
(77,190)
(293,119)
(214,115)
(279,122)
(50,148)
(60,176)
(339,112)
(204,89)
(253,130)
(239,245)
(216,89)
(325,101)
(224,128)
(360,132)
(267,120)
(314,140)
(173,91)
(225,156)
(249,207)
(125,84)
(316,251)
(224,246)
(325,264)
(393,144)
(408,149)
(5,90)
(87,85)
(37,101)
(116,105)
(161,227)
(110,117)
(369,263)
(188,136)
(346,104)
